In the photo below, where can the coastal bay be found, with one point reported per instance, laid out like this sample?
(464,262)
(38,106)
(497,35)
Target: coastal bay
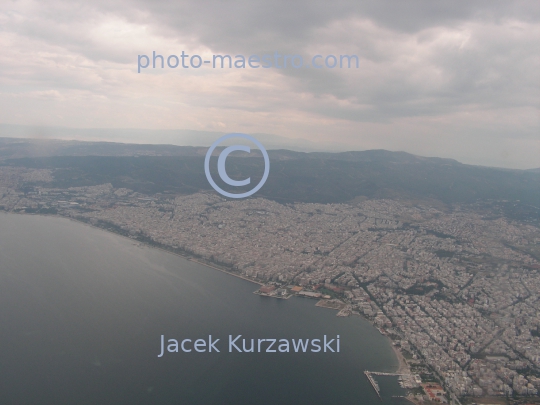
(83,310)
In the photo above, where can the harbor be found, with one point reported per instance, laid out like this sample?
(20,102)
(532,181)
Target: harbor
(406,381)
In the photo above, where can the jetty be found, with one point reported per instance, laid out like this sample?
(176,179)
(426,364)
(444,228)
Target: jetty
(406,381)
(381,373)
(373,383)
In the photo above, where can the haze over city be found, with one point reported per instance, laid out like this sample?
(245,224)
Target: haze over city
(270,202)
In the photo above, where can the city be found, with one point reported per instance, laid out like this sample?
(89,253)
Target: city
(456,288)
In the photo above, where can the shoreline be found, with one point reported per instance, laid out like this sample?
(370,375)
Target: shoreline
(191,259)
(213,267)
(403,367)
(186,257)
(402,364)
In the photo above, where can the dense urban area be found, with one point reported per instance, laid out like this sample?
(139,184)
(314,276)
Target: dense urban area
(456,287)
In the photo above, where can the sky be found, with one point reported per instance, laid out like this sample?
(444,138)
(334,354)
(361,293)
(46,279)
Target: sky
(453,79)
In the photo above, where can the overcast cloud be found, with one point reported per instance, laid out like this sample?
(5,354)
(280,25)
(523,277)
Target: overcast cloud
(451,79)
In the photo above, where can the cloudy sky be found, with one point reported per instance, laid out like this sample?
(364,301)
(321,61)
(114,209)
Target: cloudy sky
(453,79)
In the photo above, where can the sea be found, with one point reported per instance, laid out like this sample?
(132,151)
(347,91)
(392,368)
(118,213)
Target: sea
(82,312)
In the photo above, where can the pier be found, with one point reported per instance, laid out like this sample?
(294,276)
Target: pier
(389,374)
(373,383)
(405,380)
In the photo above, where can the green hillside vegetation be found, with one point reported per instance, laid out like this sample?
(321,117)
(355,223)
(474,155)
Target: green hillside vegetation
(302,177)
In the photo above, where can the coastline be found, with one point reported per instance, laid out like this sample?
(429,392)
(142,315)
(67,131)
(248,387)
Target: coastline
(113,276)
(402,367)
(212,267)
(186,257)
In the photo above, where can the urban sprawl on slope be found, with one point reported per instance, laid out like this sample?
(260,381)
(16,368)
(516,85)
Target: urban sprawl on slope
(456,289)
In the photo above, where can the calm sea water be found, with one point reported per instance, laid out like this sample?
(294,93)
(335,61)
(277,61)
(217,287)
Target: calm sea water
(82,311)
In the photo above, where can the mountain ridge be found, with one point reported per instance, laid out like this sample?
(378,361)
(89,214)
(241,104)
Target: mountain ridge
(13,148)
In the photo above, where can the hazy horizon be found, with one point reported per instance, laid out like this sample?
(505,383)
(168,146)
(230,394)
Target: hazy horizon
(183,137)
(455,80)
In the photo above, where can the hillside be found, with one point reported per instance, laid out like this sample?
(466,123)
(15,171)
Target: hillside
(297,176)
